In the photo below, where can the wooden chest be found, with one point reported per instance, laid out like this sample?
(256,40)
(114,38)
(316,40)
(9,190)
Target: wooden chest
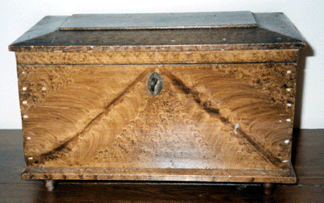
(159,97)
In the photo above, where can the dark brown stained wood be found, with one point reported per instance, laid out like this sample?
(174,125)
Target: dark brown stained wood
(12,161)
(266,36)
(249,56)
(157,193)
(268,188)
(308,160)
(238,19)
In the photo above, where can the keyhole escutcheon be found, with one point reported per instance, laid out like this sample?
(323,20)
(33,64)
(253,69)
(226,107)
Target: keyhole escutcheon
(155,83)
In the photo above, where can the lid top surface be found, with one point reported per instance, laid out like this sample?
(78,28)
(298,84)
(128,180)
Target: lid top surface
(240,19)
(273,31)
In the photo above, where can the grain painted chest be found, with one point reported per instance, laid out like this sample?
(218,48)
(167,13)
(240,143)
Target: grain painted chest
(159,97)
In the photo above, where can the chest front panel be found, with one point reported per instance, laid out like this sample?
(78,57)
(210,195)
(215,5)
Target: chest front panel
(207,116)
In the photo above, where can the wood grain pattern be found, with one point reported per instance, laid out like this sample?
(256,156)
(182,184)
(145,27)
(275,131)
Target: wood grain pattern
(262,120)
(53,115)
(225,112)
(197,175)
(206,117)
(240,56)
(308,163)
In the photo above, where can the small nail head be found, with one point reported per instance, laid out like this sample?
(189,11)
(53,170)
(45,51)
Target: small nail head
(25,116)
(288,89)
(288,120)
(24,102)
(236,127)
(24,88)
(289,104)
(288,71)
(28,138)
(287,141)
(30,158)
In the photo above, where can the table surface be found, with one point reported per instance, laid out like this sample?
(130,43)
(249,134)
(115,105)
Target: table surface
(308,153)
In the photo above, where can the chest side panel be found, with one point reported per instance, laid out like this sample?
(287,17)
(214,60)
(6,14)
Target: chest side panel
(235,116)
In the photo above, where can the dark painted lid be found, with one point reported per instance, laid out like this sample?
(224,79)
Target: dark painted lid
(161,32)
(159,21)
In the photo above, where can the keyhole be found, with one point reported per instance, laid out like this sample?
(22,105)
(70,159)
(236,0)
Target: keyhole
(155,83)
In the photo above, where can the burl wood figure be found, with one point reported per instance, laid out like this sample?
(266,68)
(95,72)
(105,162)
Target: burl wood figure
(159,97)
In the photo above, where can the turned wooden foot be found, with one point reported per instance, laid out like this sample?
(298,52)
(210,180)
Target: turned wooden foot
(268,188)
(50,184)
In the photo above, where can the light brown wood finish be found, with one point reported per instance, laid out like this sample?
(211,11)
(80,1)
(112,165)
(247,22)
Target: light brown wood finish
(130,57)
(206,117)
(196,175)
(225,112)
(308,162)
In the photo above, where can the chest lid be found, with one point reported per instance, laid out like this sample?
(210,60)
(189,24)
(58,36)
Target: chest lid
(210,31)
(159,21)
